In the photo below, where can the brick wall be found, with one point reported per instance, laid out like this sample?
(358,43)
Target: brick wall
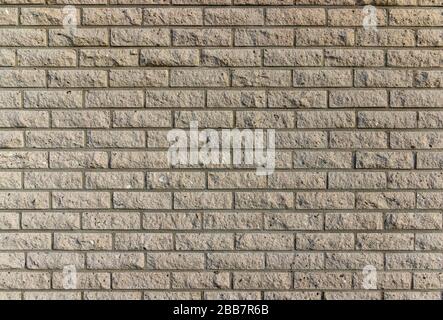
(88,94)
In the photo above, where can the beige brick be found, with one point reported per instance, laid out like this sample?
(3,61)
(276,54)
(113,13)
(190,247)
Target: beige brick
(324,37)
(7,58)
(52,180)
(261,78)
(353,260)
(301,140)
(408,295)
(81,37)
(143,241)
(11,139)
(429,241)
(354,221)
(203,200)
(429,37)
(175,99)
(416,140)
(54,139)
(296,16)
(329,280)
(358,98)
(48,295)
(232,295)
(22,78)
(111,16)
(10,99)
(46,58)
(292,295)
(429,79)
(77,78)
(354,17)
(385,37)
(204,241)
(213,37)
(293,57)
(170,295)
(142,200)
(379,78)
(23,37)
(52,99)
(108,57)
(293,221)
(200,280)
(175,261)
(385,200)
(294,261)
(385,241)
(232,220)
(82,241)
(50,220)
(9,221)
(264,200)
(111,295)
(324,200)
(415,17)
(358,140)
(175,180)
(264,37)
(416,98)
(12,261)
(169,57)
(264,241)
(110,220)
(413,220)
(10,180)
(173,220)
(76,160)
(81,200)
(172,16)
(297,180)
(325,119)
(23,159)
(386,280)
(234,16)
(139,159)
(100,261)
(54,260)
(25,280)
(139,37)
(414,58)
(25,241)
(114,180)
(384,159)
(428,280)
(322,78)
(324,241)
(138,78)
(300,99)
(231,58)
(44,16)
(85,280)
(116,139)
(204,119)
(354,58)
(8,16)
(261,280)
(322,159)
(199,78)
(24,200)
(242,261)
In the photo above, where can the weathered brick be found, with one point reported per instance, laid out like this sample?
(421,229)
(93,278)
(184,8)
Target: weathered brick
(110,220)
(353,221)
(143,241)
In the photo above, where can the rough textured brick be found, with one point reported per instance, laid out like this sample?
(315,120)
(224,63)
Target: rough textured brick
(51,220)
(352,120)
